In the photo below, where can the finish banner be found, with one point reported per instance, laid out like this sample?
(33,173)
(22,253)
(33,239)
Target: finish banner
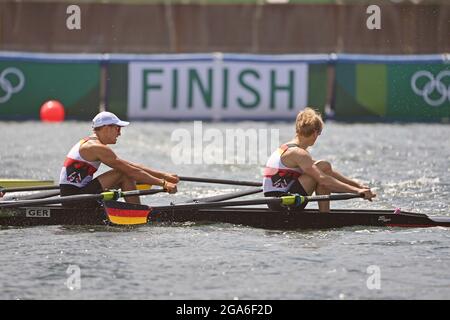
(216,89)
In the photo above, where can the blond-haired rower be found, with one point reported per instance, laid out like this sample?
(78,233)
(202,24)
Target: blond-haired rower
(291,169)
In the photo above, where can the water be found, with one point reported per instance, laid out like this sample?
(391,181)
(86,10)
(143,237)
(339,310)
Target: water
(409,165)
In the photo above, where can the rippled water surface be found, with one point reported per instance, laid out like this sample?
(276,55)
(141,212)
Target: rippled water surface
(409,165)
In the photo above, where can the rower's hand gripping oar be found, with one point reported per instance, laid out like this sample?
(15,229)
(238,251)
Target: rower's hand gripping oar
(104,196)
(139,214)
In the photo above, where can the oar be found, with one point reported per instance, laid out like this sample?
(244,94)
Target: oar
(109,195)
(35,188)
(227,196)
(55,187)
(222,181)
(288,201)
(34,196)
(139,214)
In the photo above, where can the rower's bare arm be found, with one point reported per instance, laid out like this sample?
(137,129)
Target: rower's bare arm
(173,178)
(108,157)
(331,183)
(347,180)
(304,161)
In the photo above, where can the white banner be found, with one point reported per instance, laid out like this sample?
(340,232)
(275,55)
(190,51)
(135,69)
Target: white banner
(216,89)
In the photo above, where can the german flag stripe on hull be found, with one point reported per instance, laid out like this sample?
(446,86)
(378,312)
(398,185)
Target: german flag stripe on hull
(127,216)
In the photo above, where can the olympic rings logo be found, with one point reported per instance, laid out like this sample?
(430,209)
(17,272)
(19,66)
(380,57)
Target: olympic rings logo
(7,86)
(431,86)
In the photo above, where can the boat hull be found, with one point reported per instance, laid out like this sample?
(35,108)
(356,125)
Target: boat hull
(51,215)
(308,219)
(254,217)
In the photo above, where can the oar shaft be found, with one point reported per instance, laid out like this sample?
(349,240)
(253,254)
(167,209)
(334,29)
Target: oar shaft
(24,189)
(75,198)
(288,201)
(39,195)
(222,181)
(228,196)
(206,205)
(109,195)
(139,192)
(339,196)
(55,187)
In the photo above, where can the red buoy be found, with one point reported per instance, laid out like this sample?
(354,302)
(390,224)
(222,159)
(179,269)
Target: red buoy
(52,111)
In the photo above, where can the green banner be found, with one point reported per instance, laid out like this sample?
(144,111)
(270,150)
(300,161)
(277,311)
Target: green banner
(25,86)
(317,86)
(117,89)
(392,92)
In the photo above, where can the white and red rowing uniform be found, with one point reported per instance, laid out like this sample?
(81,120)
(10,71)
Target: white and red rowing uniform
(278,178)
(77,171)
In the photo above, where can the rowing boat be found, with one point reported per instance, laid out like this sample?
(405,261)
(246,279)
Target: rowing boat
(16,183)
(248,216)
